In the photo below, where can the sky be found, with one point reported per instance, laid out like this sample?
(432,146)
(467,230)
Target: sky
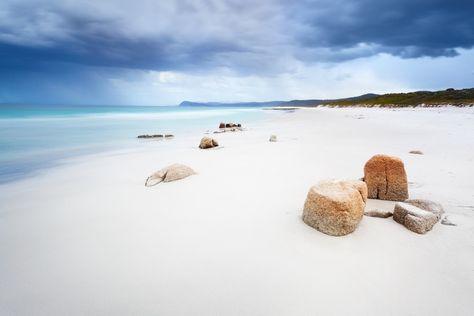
(143,52)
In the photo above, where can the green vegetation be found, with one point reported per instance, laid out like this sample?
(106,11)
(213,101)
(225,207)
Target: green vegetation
(463,97)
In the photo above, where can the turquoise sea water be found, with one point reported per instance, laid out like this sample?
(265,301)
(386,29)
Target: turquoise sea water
(36,137)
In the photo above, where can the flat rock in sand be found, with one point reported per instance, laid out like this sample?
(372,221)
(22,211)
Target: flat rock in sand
(418,216)
(378,213)
(168,174)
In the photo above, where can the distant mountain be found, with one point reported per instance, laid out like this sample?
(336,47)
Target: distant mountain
(235,104)
(450,96)
(313,102)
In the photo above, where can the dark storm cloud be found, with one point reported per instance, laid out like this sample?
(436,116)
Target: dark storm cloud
(405,28)
(245,36)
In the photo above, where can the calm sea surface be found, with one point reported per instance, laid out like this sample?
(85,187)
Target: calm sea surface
(36,137)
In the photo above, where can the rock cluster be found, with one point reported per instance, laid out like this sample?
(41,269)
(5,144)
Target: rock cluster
(170,173)
(386,178)
(207,142)
(229,125)
(335,207)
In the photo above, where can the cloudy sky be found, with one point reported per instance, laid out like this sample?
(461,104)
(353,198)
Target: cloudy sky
(143,52)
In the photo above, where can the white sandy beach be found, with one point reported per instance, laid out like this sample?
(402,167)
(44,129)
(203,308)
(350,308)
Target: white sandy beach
(88,238)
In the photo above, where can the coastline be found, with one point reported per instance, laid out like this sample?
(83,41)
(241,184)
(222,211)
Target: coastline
(33,141)
(230,239)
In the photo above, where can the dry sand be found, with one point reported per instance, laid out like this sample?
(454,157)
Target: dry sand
(88,238)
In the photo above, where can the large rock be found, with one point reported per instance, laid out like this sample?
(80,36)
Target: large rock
(170,173)
(335,207)
(386,178)
(418,216)
(207,142)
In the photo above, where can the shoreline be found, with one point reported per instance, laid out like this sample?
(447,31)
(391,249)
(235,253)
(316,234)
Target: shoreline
(32,144)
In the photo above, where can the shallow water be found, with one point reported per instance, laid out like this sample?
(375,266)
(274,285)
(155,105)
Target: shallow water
(35,137)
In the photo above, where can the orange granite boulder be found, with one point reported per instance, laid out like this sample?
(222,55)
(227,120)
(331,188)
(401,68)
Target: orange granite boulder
(386,178)
(335,207)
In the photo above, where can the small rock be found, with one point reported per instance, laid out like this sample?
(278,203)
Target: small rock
(273,138)
(207,142)
(335,207)
(418,216)
(222,125)
(170,173)
(386,178)
(416,152)
(169,136)
(378,213)
(446,221)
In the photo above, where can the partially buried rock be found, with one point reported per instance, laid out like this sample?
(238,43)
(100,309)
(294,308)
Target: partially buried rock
(418,216)
(416,152)
(378,213)
(170,173)
(335,207)
(386,178)
(207,142)
(273,138)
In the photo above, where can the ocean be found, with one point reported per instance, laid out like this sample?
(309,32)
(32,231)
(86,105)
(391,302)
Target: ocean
(34,137)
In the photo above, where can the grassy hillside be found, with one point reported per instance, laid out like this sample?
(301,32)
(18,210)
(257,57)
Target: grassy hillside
(450,96)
